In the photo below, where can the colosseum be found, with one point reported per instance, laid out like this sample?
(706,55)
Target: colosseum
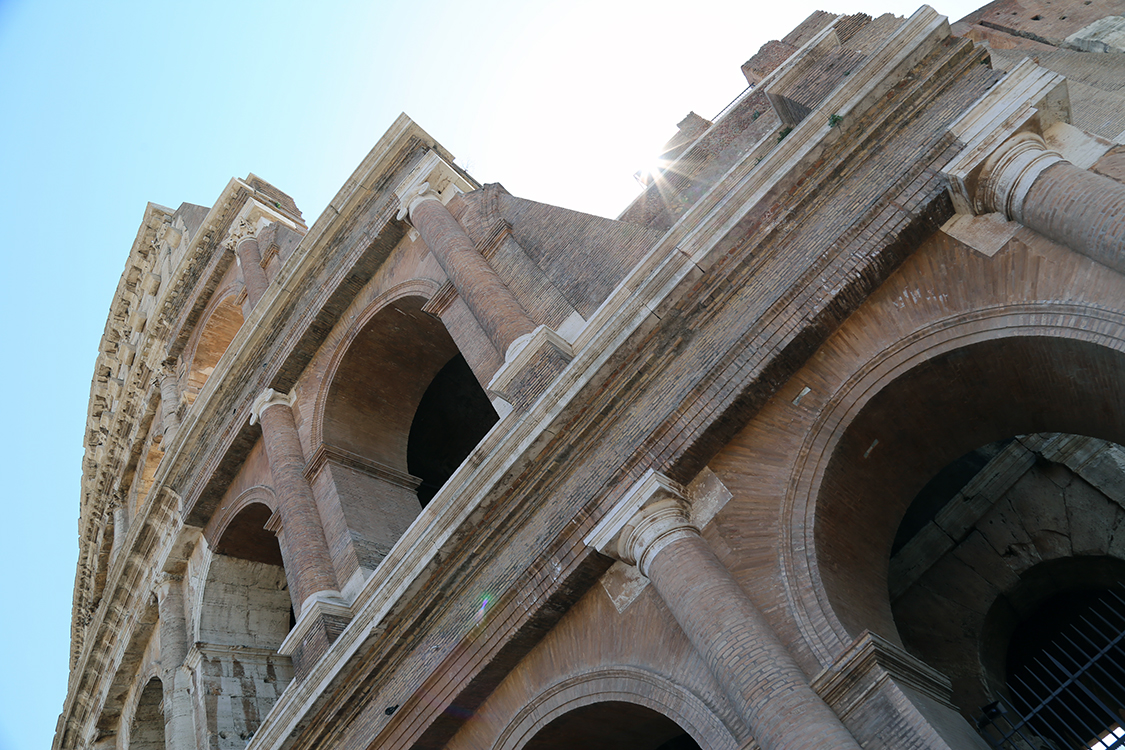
(816,445)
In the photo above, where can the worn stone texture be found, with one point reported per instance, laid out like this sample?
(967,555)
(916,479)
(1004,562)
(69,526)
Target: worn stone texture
(779,318)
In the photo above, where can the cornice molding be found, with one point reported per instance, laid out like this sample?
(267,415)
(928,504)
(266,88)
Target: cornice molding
(328,454)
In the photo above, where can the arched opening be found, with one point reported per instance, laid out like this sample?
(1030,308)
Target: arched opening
(402,411)
(612,725)
(944,489)
(214,336)
(245,615)
(926,418)
(993,570)
(452,417)
(147,729)
(246,601)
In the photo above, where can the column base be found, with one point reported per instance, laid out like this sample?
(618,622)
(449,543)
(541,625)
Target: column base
(889,699)
(528,370)
(323,618)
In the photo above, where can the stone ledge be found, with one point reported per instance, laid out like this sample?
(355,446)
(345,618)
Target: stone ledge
(531,365)
(868,663)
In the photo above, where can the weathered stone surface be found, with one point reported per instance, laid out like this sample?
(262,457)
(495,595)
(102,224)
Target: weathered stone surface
(398,559)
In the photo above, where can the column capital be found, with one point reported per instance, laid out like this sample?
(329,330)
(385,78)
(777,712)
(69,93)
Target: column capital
(433,179)
(412,196)
(1002,136)
(163,582)
(242,230)
(1011,170)
(651,515)
(267,398)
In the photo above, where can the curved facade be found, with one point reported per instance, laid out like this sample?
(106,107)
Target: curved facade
(788,455)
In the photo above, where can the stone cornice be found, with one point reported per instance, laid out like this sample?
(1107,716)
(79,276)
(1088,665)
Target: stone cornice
(114,409)
(331,454)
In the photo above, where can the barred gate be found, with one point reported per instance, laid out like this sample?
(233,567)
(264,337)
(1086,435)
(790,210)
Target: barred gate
(1071,696)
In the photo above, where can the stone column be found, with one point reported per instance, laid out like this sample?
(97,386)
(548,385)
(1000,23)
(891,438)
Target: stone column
(1033,185)
(490,300)
(1006,167)
(120,526)
(169,398)
(308,565)
(244,242)
(651,528)
(179,722)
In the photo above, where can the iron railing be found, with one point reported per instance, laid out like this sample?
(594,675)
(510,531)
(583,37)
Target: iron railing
(1071,695)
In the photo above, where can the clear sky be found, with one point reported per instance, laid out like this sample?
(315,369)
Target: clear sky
(109,105)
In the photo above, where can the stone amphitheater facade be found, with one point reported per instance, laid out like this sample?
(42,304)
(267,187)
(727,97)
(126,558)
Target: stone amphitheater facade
(784,456)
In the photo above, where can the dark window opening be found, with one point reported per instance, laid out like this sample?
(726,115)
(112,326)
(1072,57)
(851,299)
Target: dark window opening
(612,725)
(452,417)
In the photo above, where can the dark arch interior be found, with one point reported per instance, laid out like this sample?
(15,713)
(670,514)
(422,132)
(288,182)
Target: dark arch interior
(403,397)
(147,731)
(612,725)
(926,419)
(381,379)
(246,598)
(1065,653)
(452,417)
(941,489)
(248,539)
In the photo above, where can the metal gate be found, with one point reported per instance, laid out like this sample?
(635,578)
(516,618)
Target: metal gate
(1072,694)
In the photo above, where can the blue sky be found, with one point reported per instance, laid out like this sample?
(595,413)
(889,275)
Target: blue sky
(107,106)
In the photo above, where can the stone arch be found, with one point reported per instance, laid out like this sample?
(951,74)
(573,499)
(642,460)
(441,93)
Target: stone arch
(618,685)
(396,367)
(220,321)
(1037,522)
(146,728)
(227,512)
(838,593)
(244,615)
(969,640)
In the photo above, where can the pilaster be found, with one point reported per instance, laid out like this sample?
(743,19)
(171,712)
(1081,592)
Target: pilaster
(169,384)
(651,528)
(308,566)
(179,715)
